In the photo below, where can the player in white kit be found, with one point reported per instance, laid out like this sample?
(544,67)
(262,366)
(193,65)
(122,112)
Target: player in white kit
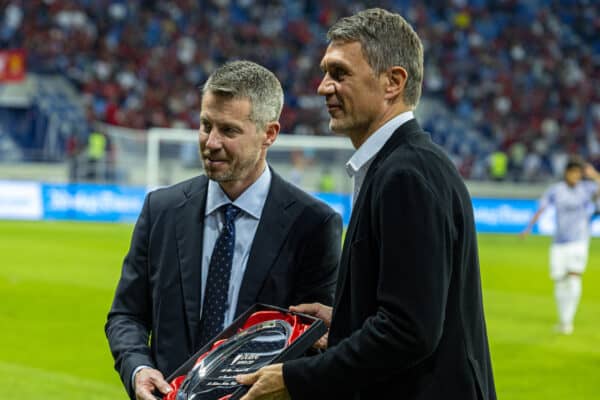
(573,198)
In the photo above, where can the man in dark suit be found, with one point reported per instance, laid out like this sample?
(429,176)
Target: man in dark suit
(272,242)
(407,320)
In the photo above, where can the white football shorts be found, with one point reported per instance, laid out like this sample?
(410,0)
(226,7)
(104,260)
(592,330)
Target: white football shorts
(568,257)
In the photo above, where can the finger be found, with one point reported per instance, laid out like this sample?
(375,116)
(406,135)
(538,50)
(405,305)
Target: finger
(321,344)
(306,308)
(160,383)
(252,394)
(247,379)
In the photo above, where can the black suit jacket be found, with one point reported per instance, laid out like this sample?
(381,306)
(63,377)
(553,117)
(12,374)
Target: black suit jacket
(408,318)
(293,259)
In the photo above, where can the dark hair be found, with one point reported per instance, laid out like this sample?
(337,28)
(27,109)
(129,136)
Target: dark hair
(387,40)
(575,162)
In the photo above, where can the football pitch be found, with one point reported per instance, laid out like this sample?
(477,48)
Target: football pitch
(57,280)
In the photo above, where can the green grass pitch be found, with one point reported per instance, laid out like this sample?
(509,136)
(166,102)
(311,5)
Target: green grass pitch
(57,280)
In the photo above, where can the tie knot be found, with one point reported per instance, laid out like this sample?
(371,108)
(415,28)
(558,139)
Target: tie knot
(230,212)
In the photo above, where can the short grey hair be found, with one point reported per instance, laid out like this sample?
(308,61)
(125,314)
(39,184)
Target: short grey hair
(248,80)
(387,40)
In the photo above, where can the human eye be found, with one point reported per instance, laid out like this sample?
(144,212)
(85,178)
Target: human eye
(229,130)
(205,126)
(338,74)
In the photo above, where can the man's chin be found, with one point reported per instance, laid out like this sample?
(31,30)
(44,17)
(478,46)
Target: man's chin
(218,176)
(337,126)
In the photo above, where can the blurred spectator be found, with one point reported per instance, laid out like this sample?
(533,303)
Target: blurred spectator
(498,165)
(296,174)
(516,153)
(97,159)
(326,181)
(72,151)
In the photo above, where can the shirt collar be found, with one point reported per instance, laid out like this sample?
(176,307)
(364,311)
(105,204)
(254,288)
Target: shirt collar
(375,142)
(251,201)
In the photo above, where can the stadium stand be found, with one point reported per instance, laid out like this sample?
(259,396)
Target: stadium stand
(509,76)
(41,124)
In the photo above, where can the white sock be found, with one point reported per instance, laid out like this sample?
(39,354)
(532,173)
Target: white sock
(567,292)
(561,294)
(574,294)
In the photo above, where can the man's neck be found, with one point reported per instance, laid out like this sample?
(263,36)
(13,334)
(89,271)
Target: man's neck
(234,189)
(358,138)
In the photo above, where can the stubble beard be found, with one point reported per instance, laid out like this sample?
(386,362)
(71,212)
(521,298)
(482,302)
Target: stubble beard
(339,125)
(225,176)
(344,126)
(236,170)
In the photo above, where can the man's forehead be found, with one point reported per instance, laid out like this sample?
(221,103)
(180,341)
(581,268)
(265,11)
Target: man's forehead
(214,107)
(341,54)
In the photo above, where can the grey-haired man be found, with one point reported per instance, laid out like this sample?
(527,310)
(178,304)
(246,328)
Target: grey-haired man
(407,321)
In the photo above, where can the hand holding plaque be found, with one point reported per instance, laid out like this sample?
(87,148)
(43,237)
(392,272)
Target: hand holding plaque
(320,311)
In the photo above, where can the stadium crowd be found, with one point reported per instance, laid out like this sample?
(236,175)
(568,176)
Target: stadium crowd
(518,74)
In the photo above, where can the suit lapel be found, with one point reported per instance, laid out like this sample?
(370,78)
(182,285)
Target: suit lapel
(270,236)
(189,232)
(400,135)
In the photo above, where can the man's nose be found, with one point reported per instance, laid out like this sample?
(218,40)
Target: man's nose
(213,140)
(326,87)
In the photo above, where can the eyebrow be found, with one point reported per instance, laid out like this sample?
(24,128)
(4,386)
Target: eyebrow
(333,64)
(221,122)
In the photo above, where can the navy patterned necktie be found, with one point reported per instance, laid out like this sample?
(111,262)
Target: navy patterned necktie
(217,281)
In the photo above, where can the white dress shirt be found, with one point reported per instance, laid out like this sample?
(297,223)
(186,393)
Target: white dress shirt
(361,160)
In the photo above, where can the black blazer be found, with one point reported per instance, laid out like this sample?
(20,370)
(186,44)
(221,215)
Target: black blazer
(408,318)
(293,259)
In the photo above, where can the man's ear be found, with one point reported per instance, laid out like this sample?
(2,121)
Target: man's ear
(395,81)
(271,133)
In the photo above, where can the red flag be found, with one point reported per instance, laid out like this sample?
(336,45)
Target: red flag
(12,65)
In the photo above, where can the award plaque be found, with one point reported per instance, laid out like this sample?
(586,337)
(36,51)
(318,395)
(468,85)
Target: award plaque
(214,376)
(261,336)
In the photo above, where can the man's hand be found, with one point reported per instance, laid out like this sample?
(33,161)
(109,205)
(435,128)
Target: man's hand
(267,384)
(148,380)
(320,311)
(524,233)
(590,172)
